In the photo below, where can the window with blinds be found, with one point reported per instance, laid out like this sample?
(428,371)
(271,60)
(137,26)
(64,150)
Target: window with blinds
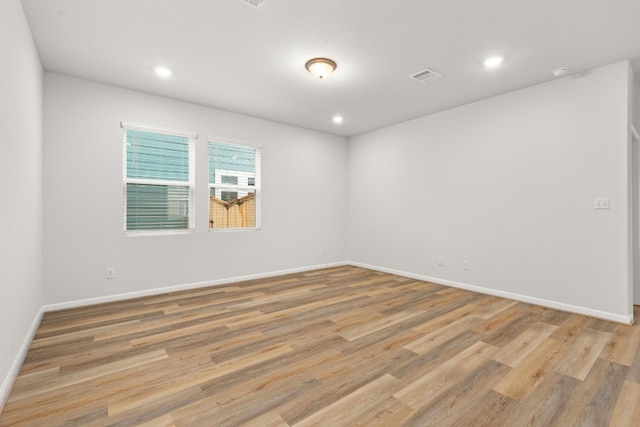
(158,179)
(234,186)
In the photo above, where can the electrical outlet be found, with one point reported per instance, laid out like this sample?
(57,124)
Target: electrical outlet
(111,273)
(440,261)
(601,203)
(465,264)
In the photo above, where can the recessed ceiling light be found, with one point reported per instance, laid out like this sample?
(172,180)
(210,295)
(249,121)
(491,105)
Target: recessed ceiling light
(162,72)
(493,61)
(338,119)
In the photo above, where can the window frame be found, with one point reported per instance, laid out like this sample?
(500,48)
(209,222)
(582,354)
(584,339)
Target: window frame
(255,188)
(190,184)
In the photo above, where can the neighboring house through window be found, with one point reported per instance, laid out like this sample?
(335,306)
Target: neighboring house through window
(234,191)
(158,179)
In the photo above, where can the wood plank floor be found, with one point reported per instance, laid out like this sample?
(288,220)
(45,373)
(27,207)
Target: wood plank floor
(336,347)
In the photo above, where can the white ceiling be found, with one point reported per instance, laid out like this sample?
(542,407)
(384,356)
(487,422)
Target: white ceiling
(232,56)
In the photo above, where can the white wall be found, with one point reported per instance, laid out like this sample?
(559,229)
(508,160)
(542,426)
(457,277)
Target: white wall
(303,203)
(636,105)
(634,119)
(507,183)
(20,187)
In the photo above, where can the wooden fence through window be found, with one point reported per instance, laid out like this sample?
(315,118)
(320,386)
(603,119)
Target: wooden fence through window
(238,213)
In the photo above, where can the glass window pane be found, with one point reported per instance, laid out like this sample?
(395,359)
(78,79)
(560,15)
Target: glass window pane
(157,156)
(157,207)
(232,209)
(231,160)
(227,179)
(233,165)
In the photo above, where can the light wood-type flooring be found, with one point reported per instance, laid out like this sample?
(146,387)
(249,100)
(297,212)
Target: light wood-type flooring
(342,346)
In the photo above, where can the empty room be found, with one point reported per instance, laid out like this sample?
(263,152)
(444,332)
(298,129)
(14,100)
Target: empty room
(320,213)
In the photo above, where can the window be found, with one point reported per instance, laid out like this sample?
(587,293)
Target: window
(234,185)
(229,196)
(158,179)
(226,179)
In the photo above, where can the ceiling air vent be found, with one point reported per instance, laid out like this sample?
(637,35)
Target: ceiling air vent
(255,3)
(427,75)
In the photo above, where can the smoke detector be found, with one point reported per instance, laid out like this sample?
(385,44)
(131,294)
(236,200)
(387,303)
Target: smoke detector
(255,3)
(425,76)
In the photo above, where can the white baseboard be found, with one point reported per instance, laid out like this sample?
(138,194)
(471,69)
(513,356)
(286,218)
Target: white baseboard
(7,384)
(488,291)
(509,295)
(158,291)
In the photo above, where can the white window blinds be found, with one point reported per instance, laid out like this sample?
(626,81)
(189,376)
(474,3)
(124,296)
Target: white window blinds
(158,178)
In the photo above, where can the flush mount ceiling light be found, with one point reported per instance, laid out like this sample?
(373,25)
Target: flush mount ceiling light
(337,119)
(558,72)
(320,67)
(255,3)
(162,72)
(493,61)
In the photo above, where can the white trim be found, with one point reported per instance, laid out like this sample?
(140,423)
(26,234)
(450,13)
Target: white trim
(189,184)
(167,232)
(256,188)
(213,138)
(158,129)
(158,182)
(487,291)
(503,294)
(232,229)
(7,384)
(185,287)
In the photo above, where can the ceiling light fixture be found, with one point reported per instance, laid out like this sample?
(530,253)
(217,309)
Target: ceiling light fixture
(162,72)
(493,61)
(320,67)
(338,119)
(558,72)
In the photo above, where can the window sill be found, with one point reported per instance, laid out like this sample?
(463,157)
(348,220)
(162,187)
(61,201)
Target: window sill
(231,230)
(144,233)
